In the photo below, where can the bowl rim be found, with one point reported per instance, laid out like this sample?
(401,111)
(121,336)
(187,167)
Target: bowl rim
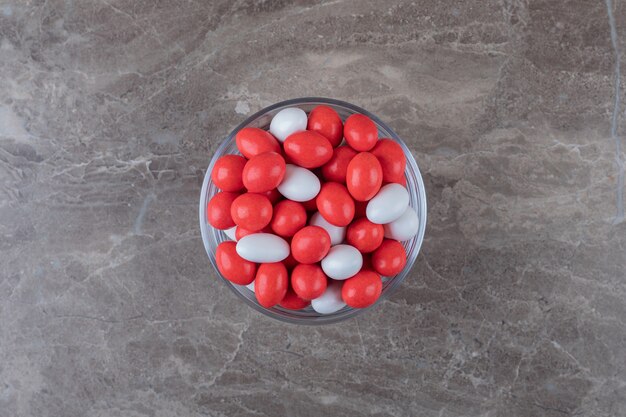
(421,210)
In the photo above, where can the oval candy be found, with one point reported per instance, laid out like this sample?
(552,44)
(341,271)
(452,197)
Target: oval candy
(308,149)
(360,132)
(308,281)
(390,258)
(291,301)
(288,121)
(362,290)
(299,184)
(342,262)
(335,204)
(365,235)
(326,121)
(251,211)
(289,217)
(388,204)
(310,244)
(364,176)
(252,141)
(271,283)
(232,266)
(263,172)
(227,172)
(263,248)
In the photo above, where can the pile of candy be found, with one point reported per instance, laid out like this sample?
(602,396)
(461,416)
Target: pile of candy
(352,196)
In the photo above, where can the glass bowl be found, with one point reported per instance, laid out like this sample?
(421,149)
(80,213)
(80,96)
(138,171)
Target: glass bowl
(213,237)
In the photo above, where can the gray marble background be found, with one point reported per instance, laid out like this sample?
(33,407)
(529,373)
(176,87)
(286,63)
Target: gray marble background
(110,111)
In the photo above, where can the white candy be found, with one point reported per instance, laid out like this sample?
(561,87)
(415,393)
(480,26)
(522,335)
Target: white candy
(404,227)
(231,233)
(388,205)
(337,234)
(299,184)
(288,121)
(262,248)
(330,301)
(342,262)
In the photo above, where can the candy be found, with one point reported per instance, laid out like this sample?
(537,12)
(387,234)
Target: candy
(252,141)
(227,172)
(292,302)
(331,301)
(388,204)
(288,121)
(337,234)
(392,160)
(308,281)
(325,121)
(362,290)
(364,176)
(218,210)
(365,235)
(289,217)
(336,169)
(342,262)
(404,227)
(232,266)
(299,184)
(310,244)
(360,132)
(335,204)
(390,258)
(271,283)
(264,172)
(308,149)
(263,248)
(251,211)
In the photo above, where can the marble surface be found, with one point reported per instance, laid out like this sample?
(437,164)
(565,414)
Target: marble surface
(111,109)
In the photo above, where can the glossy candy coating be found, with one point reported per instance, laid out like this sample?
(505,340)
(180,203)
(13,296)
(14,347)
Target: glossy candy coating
(364,176)
(310,244)
(252,141)
(232,266)
(308,149)
(325,121)
(264,172)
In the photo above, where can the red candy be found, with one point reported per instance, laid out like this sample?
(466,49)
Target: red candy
(362,290)
(289,217)
(337,168)
(271,283)
(251,211)
(360,208)
(364,177)
(308,149)
(335,204)
(360,132)
(227,172)
(392,160)
(390,258)
(325,121)
(252,141)
(308,281)
(264,172)
(218,210)
(292,302)
(365,235)
(310,244)
(232,266)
